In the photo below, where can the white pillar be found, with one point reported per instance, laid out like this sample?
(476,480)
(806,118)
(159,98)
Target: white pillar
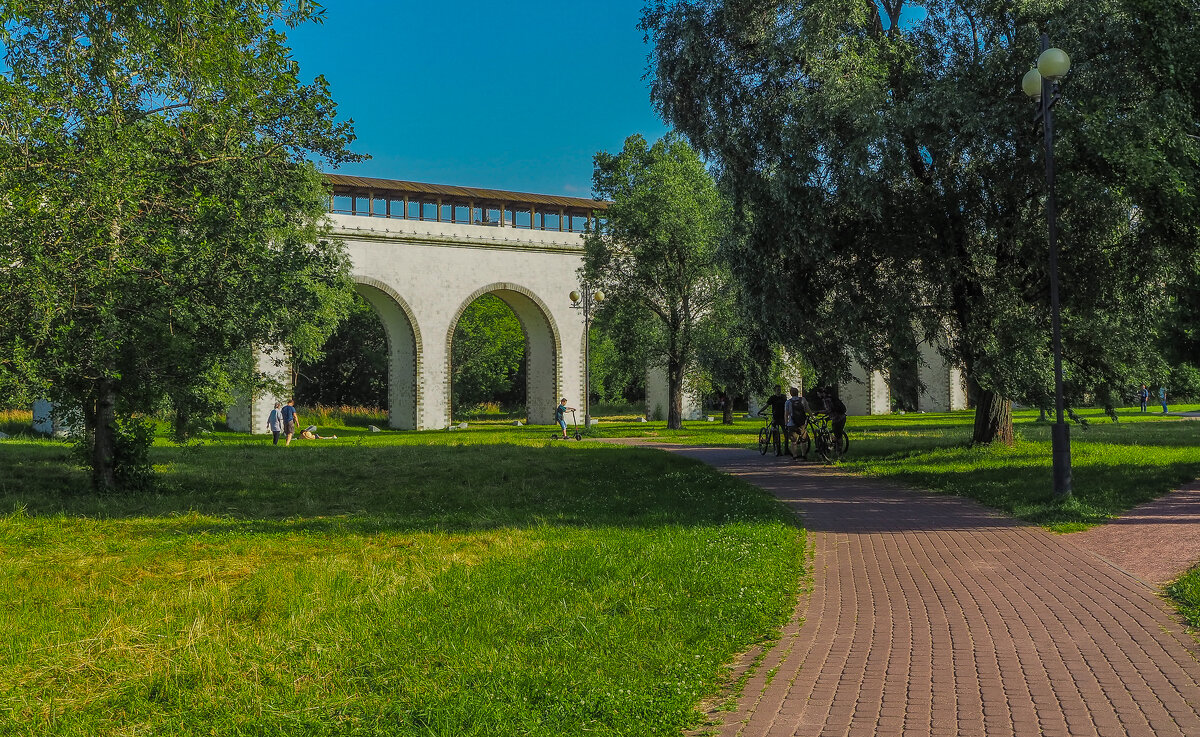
(51,420)
(404,389)
(945,385)
(249,414)
(867,392)
(658,394)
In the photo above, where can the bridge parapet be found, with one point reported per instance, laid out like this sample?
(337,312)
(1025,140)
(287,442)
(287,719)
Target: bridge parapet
(394,199)
(461,235)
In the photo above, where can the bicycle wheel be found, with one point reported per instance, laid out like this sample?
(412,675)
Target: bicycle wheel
(844,443)
(824,446)
(764,441)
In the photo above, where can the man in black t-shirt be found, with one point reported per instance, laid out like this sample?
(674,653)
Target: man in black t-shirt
(837,413)
(776,404)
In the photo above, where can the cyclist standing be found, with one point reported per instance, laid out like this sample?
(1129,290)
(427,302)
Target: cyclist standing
(796,412)
(837,413)
(776,403)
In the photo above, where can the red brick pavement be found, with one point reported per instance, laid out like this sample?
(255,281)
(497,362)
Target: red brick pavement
(1156,541)
(930,615)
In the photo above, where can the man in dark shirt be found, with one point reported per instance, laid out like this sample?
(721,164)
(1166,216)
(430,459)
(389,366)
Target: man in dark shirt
(776,403)
(289,421)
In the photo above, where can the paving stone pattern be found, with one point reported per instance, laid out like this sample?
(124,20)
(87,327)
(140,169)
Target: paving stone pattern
(931,615)
(1156,541)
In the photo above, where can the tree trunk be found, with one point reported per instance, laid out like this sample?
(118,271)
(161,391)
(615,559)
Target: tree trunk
(727,414)
(993,419)
(183,420)
(104,437)
(674,395)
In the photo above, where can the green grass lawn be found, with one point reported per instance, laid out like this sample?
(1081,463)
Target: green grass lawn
(480,582)
(1186,593)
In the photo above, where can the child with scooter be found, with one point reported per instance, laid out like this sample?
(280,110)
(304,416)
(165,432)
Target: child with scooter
(560,416)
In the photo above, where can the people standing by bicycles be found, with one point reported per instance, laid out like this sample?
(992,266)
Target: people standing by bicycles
(776,403)
(837,414)
(796,414)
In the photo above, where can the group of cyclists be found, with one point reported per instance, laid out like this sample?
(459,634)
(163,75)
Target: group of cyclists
(800,424)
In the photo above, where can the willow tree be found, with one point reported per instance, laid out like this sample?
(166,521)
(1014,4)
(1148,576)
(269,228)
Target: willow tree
(655,252)
(887,165)
(159,212)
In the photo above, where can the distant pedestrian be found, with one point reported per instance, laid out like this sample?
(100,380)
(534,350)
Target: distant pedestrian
(1144,396)
(1162,397)
(275,422)
(290,418)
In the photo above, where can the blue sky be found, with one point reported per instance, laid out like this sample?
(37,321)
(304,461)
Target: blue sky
(516,95)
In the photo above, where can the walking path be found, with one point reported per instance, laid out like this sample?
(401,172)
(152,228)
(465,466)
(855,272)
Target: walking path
(1156,541)
(930,615)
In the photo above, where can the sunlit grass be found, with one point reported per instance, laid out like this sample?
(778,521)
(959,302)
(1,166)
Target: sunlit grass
(1186,593)
(479,582)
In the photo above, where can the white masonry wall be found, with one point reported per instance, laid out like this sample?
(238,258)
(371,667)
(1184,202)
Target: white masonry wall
(867,393)
(658,395)
(421,275)
(945,385)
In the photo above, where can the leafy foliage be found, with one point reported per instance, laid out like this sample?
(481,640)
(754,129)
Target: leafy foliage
(488,355)
(655,254)
(353,367)
(161,213)
(884,176)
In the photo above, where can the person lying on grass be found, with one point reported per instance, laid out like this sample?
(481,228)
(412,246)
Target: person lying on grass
(310,433)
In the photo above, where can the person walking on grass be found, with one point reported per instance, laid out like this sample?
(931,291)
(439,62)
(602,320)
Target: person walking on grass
(290,418)
(560,415)
(1162,397)
(275,422)
(1144,396)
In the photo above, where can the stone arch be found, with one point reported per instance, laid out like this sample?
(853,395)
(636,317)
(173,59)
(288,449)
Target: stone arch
(543,348)
(405,354)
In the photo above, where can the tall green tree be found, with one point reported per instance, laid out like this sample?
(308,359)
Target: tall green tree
(890,169)
(655,253)
(159,213)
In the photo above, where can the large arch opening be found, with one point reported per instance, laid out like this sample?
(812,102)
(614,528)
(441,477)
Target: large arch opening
(372,360)
(481,321)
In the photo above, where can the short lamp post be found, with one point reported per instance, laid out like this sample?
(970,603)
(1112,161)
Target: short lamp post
(1041,84)
(586,302)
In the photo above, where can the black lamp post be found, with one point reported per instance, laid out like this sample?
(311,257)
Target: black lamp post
(1041,84)
(585,302)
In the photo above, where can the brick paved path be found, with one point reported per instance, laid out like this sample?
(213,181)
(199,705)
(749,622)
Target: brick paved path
(1156,541)
(930,615)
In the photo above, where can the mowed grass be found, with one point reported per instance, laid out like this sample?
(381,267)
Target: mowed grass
(1186,593)
(482,582)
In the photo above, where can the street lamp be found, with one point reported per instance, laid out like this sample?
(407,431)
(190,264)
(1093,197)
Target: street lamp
(1041,84)
(585,302)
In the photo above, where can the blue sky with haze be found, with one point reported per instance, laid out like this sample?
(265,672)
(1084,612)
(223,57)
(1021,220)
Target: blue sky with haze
(515,95)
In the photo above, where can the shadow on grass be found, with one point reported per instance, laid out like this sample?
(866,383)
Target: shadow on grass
(317,488)
(1019,480)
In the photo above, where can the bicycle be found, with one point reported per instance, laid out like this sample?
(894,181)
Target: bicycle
(764,437)
(828,447)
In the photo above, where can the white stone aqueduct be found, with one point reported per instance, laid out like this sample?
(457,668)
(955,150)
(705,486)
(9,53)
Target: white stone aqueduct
(422,253)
